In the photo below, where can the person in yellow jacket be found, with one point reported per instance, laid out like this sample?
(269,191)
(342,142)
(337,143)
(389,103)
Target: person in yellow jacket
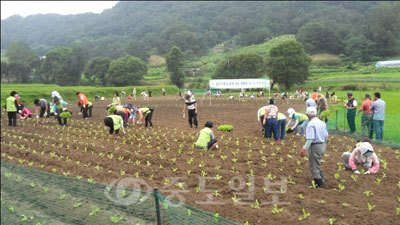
(206,139)
(11,108)
(115,123)
(145,114)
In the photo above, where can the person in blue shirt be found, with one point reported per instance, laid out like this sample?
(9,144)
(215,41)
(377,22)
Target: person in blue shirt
(378,115)
(317,136)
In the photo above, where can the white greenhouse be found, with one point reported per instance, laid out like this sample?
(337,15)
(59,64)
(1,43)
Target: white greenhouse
(391,64)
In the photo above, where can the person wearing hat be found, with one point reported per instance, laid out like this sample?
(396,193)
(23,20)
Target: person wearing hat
(55,95)
(351,106)
(191,105)
(260,117)
(115,123)
(366,119)
(59,107)
(206,139)
(11,107)
(270,120)
(363,154)
(316,136)
(84,103)
(298,118)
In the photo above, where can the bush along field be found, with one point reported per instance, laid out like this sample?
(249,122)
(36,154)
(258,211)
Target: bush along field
(248,179)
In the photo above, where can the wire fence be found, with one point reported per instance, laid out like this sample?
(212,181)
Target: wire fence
(30,196)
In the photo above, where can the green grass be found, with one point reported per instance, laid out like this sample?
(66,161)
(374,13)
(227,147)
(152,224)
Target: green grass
(29,92)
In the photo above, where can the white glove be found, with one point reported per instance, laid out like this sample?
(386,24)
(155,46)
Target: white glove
(45,115)
(357,172)
(55,113)
(19,111)
(64,109)
(367,172)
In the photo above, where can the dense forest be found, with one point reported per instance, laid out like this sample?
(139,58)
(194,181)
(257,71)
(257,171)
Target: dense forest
(361,31)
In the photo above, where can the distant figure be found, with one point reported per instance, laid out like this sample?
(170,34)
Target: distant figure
(378,108)
(319,89)
(351,106)
(11,108)
(123,94)
(134,93)
(163,91)
(366,119)
(149,91)
(180,94)
(96,97)
(144,95)
(315,95)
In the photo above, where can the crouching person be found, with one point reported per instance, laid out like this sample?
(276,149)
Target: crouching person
(59,108)
(146,114)
(115,123)
(206,139)
(363,154)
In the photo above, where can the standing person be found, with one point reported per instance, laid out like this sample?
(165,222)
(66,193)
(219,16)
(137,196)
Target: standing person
(44,107)
(315,95)
(319,89)
(206,139)
(115,123)
(363,154)
(145,96)
(310,103)
(351,106)
(134,93)
(84,103)
(191,105)
(281,125)
(327,95)
(366,119)
(378,108)
(322,106)
(123,94)
(146,114)
(180,94)
(11,107)
(270,120)
(317,136)
(163,91)
(299,119)
(59,107)
(149,91)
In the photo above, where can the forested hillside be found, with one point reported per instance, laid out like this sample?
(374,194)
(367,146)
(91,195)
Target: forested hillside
(144,28)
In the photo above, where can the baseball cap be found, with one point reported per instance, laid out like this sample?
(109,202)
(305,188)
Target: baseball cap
(311,111)
(291,112)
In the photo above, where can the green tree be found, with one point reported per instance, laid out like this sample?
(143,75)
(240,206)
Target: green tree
(174,61)
(359,48)
(384,28)
(62,66)
(317,38)
(127,70)
(4,69)
(18,72)
(20,52)
(96,70)
(248,65)
(288,64)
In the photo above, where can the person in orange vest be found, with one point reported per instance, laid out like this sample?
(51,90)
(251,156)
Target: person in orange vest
(84,104)
(315,95)
(124,113)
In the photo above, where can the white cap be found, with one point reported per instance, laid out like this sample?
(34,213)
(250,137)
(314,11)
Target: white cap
(365,146)
(291,112)
(311,111)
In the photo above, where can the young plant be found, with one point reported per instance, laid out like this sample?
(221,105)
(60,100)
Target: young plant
(276,210)
(116,219)
(368,193)
(305,215)
(300,196)
(332,220)
(95,209)
(371,207)
(354,177)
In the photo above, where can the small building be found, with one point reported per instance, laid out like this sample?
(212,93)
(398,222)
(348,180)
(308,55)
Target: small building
(388,64)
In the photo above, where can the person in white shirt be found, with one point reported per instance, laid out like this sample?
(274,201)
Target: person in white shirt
(191,105)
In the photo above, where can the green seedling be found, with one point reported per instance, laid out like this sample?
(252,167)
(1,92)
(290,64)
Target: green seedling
(336,175)
(368,193)
(398,211)
(32,185)
(332,220)
(276,210)
(354,177)
(61,196)
(77,204)
(235,199)
(116,219)
(313,184)
(370,207)
(300,196)
(378,181)
(95,209)
(345,204)
(305,215)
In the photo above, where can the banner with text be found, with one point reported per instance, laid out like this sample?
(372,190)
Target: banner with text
(240,83)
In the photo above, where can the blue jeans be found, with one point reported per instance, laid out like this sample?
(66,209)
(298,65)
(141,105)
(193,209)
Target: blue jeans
(281,128)
(304,126)
(272,126)
(378,126)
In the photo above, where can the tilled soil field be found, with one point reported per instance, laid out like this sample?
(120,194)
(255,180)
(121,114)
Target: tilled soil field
(241,180)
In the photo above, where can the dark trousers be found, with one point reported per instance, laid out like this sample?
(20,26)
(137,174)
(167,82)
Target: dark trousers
(281,128)
(351,119)
(90,111)
(271,126)
(148,119)
(262,120)
(149,93)
(163,93)
(211,143)
(192,117)
(122,114)
(61,121)
(12,119)
(112,130)
(85,112)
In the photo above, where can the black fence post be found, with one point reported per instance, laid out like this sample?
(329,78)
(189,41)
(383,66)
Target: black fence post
(337,120)
(157,206)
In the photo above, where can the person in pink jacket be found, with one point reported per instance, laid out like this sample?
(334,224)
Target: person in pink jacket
(363,154)
(24,113)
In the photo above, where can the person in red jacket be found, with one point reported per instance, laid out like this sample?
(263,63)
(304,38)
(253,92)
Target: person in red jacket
(84,104)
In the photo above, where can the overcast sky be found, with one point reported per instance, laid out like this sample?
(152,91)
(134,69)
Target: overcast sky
(26,8)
